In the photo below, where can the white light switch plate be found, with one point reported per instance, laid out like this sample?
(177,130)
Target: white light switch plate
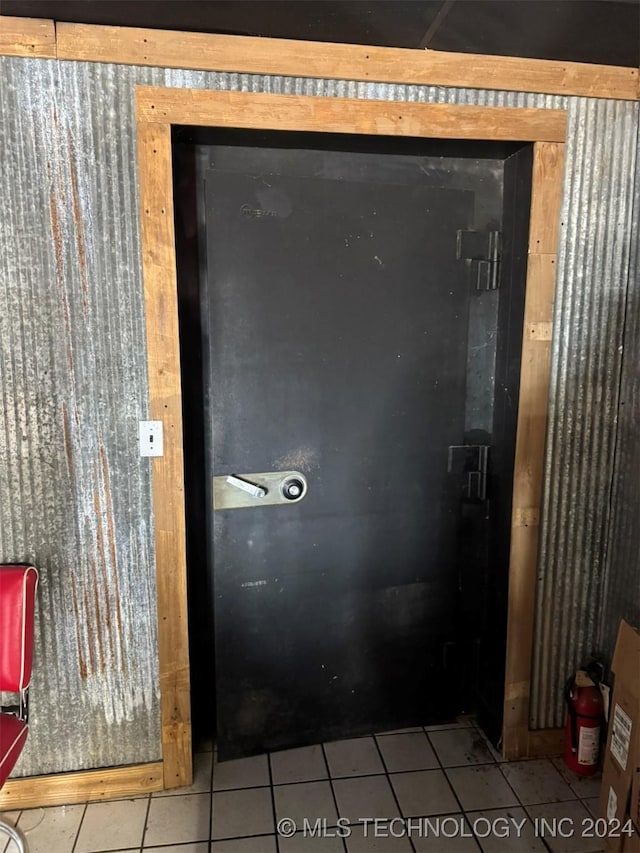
(150,438)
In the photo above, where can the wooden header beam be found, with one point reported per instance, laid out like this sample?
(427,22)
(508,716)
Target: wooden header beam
(342,115)
(27,37)
(288,57)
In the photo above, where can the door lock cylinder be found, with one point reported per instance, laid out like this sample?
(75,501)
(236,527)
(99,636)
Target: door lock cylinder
(293,488)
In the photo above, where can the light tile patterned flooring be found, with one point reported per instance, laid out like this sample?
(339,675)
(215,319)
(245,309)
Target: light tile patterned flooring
(233,807)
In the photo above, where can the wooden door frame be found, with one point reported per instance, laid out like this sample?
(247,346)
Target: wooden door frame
(157,109)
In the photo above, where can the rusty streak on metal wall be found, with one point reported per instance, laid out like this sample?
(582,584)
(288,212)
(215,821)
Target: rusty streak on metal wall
(74,494)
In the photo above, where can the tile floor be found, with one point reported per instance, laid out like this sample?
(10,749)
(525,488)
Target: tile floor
(448,774)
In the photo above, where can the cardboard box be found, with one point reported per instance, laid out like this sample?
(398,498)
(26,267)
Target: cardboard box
(634,808)
(631,843)
(621,757)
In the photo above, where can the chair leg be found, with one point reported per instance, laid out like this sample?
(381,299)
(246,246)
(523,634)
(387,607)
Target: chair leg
(15,835)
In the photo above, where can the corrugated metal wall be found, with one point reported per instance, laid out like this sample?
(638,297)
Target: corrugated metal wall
(75,497)
(593,282)
(621,598)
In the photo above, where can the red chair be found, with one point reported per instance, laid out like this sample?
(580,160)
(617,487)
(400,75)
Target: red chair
(18,586)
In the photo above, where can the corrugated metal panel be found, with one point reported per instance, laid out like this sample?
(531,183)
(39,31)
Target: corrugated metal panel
(593,279)
(74,496)
(621,598)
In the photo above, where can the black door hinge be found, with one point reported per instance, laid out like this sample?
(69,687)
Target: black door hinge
(482,248)
(470,462)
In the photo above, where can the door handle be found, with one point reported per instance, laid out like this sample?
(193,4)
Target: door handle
(251,488)
(269,488)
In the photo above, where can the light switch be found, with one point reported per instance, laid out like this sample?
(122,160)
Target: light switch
(151,438)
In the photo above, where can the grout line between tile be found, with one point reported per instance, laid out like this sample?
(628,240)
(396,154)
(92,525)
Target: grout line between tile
(566,781)
(273,802)
(19,812)
(393,793)
(387,775)
(543,839)
(515,793)
(4,844)
(445,727)
(215,840)
(453,791)
(213,765)
(185,844)
(146,821)
(356,776)
(75,843)
(289,784)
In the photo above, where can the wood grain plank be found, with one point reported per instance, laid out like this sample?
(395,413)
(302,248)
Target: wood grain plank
(529,469)
(546,742)
(34,37)
(548,161)
(202,51)
(66,788)
(528,516)
(532,424)
(540,331)
(161,312)
(546,192)
(342,115)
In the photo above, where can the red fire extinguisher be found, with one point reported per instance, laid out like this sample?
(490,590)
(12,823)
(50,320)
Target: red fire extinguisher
(584,720)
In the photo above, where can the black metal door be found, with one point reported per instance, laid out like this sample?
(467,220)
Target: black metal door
(336,322)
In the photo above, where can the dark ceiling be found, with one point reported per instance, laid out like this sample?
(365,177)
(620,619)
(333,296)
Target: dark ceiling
(600,31)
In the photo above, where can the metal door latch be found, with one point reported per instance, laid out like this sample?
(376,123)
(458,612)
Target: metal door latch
(241,491)
(470,462)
